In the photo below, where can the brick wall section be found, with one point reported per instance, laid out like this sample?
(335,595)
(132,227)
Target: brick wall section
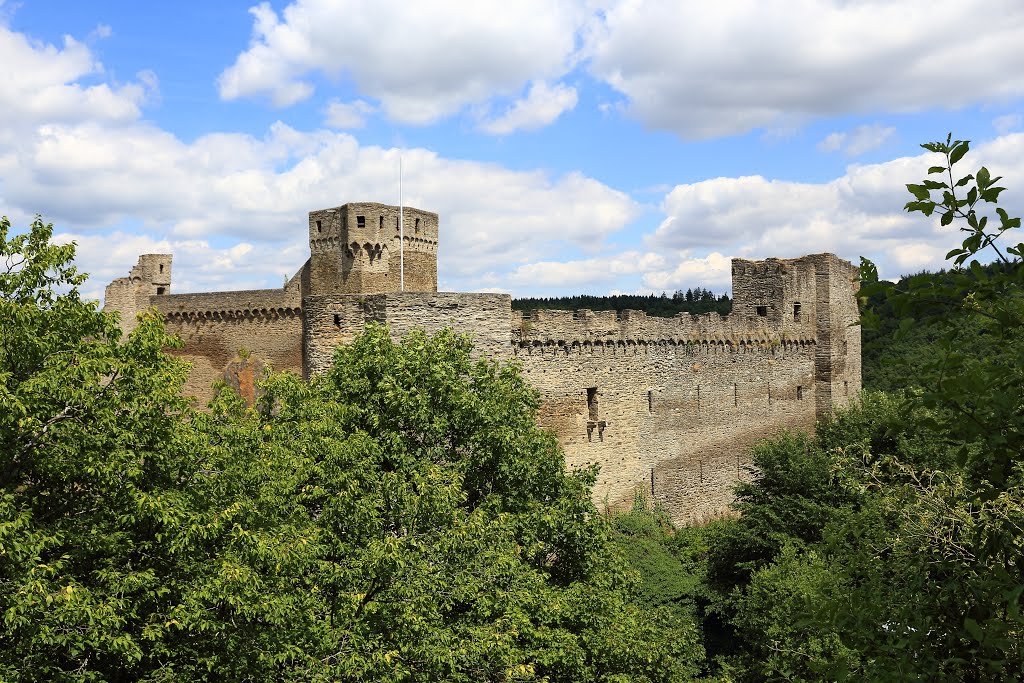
(670,405)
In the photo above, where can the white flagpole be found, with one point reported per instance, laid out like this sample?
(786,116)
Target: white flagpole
(401,231)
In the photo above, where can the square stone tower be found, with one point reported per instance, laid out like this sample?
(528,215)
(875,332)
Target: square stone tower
(355,249)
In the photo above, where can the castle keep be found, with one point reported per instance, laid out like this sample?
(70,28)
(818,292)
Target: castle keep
(667,404)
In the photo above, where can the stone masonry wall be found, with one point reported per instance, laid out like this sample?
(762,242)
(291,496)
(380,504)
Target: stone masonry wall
(331,320)
(667,405)
(673,414)
(220,328)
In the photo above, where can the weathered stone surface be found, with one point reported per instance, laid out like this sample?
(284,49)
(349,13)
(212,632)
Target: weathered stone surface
(667,404)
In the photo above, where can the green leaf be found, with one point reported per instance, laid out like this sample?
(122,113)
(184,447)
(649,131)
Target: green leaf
(947,217)
(919,191)
(959,150)
(984,179)
(974,630)
(936,169)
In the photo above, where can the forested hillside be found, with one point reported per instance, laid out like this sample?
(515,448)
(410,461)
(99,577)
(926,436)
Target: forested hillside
(696,300)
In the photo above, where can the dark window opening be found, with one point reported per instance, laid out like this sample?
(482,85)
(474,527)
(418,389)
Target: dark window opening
(417,225)
(161,267)
(846,388)
(159,291)
(592,403)
(319,227)
(796,311)
(337,320)
(650,401)
(735,395)
(799,393)
(381,225)
(762,311)
(360,221)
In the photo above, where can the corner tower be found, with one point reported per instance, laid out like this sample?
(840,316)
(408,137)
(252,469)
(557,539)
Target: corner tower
(150,277)
(812,297)
(356,249)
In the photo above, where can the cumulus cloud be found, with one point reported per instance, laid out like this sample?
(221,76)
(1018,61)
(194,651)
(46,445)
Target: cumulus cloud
(858,141)
(541,106)
(348,114)
(706,70)
(1006,123)
(101,172)
(859,213)
(421,61)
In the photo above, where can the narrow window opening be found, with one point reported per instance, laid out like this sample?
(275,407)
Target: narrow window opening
(161,267)
(799,393)
(652,484)
(337,319)
(360,221)
(762,311)
(159,291)
(846,388)
(381,224)
(319,226)
(592,403)
(650,401)
(417,225)
(735,394)
(796,311)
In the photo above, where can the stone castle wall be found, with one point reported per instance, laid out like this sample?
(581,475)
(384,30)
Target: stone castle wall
(668,405)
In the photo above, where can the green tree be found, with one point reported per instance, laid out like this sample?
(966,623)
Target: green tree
(401,518)
(88,428)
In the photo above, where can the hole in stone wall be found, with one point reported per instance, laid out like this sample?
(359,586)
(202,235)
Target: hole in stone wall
(381,224)
(796,311)
(592,403)
(319,226)
(650,401)
(360,221)
(735,395)
(762,311)
(846,388)
(160,291)
(161,267)
(337,320)
(799,393)
(417,225)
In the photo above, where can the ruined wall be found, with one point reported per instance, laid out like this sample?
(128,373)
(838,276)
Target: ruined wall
(331,320)
(262,327)
(129,296)
(670,405)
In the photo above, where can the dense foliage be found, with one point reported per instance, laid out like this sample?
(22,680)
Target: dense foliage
(890,545)
(401,518)
(697,300)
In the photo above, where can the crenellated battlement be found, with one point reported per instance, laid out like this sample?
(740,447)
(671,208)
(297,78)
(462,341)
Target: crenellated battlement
(584,326)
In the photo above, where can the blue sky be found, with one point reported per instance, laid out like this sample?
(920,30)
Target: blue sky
(590,146)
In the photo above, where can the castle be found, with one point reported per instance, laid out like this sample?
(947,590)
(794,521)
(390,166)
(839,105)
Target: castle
(670,405)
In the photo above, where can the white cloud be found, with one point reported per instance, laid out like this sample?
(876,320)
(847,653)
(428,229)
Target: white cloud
(706,70)
(421,61)
(593,274)
(97,170)
(1006,123)
(858,141)
(348,114)
(860,213)
(541,106)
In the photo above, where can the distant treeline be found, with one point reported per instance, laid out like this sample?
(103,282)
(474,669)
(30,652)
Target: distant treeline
(697,300)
